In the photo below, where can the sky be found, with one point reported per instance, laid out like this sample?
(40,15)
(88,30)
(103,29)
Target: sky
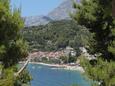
(35,7)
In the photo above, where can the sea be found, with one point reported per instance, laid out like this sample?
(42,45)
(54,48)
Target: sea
(43,75)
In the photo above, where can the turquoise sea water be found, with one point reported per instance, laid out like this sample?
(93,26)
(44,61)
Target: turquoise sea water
(47,76)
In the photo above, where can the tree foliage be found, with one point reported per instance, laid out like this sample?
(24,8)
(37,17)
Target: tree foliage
(56,35)
(12,45)
(8,78)
(96,15)
(102,72)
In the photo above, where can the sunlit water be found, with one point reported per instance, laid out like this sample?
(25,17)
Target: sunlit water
(47,76)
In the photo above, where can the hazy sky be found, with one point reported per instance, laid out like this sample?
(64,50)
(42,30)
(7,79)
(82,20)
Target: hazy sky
(35,7)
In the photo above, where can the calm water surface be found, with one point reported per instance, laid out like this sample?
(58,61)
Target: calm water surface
(47,76)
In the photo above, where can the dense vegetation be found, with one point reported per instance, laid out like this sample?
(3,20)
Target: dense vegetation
(103,73)
(96,15)
(56,35)
(12,46)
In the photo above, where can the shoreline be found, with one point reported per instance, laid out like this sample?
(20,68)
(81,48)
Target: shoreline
(64,66)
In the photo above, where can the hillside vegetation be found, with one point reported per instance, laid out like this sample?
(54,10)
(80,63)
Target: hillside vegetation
(56,35)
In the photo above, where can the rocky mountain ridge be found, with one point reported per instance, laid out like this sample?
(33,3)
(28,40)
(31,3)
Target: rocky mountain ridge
(59,13)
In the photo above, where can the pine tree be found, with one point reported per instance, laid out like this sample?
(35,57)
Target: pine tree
(96,15)
(103,73)
(12,46)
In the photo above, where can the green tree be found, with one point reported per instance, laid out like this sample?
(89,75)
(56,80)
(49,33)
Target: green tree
(96,15)
(12,46)
(103,72)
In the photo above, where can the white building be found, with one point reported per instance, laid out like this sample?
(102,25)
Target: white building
(69,51)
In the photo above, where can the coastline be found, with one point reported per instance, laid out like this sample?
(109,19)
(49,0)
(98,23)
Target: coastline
(60,66)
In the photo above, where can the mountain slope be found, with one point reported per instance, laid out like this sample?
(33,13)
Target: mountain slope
(62,11)
(59,13)
(36,20)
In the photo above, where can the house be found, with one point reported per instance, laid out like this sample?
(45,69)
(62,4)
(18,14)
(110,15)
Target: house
(69,51)
(73,53)
(48,55)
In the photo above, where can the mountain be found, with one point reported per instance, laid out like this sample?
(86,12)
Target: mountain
(62,11)
(59,13)
(36,20)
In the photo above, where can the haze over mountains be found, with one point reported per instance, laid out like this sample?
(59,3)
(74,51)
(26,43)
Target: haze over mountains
(59,13)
